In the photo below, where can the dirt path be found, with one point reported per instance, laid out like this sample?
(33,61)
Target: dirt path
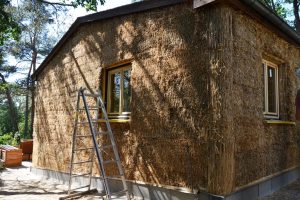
(19,183)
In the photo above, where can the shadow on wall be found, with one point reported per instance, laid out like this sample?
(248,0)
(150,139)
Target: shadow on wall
(167,140)
(55,110)
(170,97)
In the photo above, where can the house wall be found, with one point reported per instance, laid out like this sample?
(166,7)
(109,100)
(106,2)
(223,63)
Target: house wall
(262,149)
(177,55)
(197,97)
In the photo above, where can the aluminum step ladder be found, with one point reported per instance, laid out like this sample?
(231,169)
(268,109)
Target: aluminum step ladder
(98,148)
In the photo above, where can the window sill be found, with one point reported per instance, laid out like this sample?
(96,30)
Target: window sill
(280,122)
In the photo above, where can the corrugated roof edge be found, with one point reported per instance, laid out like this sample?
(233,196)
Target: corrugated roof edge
(119,11)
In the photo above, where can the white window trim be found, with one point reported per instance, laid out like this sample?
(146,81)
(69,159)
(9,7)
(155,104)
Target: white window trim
(270,115)
(121,101)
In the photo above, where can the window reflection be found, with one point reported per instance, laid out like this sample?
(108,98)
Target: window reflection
(127,91)
(119,91)
(115,92)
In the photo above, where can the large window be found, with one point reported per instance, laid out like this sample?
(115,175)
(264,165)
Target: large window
(271,99)
(119,92)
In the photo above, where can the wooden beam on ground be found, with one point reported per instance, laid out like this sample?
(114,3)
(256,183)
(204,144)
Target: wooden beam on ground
(78,194)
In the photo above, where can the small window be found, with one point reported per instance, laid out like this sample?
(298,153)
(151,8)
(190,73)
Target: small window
(271,99)
(119,92)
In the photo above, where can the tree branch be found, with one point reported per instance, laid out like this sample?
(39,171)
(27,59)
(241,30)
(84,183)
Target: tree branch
(273,6)
(56,3)
(2,78)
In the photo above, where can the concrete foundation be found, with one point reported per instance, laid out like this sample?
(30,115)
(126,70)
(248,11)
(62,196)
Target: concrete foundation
(139,190)
(151,192)
(266,186)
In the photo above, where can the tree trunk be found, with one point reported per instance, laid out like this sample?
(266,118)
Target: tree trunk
(296,14)
(26,133)
(34,56)
(11,106)
(30,88)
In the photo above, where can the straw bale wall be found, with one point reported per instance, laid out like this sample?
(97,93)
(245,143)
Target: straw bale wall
(175,51)
(197,97)
(262,149)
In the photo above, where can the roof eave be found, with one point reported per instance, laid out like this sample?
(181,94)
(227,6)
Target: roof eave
(265,13)
(273,19)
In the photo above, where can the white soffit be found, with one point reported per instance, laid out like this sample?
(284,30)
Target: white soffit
(199,3)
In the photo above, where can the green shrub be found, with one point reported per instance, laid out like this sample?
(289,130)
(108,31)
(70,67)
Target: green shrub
(6,139)
(14,142)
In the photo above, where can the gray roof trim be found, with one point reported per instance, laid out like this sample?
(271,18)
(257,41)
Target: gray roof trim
(273,18)
(265,13)
(119,11)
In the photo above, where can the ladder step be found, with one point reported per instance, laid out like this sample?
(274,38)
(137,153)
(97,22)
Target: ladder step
(91,95)
(90,108)
(87,122)
(109,161)
(81,162)
(83,135)
(99,133)
(117,193)
(80,187)
(114,177)
(82,149)
(78,175)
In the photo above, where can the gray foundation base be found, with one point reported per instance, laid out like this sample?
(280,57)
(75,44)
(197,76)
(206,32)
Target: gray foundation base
(266,187)
(150,192)
(141,191)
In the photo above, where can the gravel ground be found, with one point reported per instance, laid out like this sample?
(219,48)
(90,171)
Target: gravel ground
(20,183)
(290,192)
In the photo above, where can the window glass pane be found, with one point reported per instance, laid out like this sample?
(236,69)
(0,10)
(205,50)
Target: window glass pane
(115,83)
(271,89)
(127,91)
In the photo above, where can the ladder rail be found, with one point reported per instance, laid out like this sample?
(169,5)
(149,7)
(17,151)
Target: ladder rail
(93,154)
(98,153)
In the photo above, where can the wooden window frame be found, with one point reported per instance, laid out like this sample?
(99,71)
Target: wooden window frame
(267,114)
(111,71)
